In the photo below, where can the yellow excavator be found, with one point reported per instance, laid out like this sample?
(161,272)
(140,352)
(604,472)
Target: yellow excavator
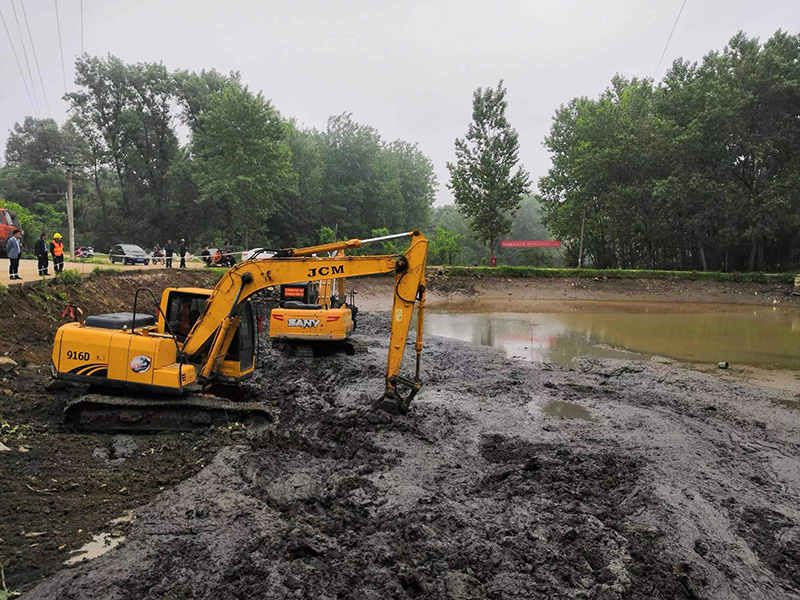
(202,337)
(314,317)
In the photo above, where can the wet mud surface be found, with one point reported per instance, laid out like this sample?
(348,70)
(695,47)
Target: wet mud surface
(684,486)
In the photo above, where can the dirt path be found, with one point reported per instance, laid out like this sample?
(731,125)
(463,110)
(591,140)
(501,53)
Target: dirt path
(29,269)
(684,487)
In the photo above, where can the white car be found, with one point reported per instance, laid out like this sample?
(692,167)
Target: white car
(257,253)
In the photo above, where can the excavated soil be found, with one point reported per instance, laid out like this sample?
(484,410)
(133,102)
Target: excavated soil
(682,486)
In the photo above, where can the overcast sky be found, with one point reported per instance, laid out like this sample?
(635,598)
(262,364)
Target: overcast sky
(407,68)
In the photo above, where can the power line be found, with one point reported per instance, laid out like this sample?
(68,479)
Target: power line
(24,52)
(35,58)
(669,39)
(19,65)
(61,48)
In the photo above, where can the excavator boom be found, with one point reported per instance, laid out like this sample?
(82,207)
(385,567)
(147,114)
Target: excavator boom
(211,334)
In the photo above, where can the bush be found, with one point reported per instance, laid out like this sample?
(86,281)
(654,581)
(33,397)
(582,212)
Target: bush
(68,277)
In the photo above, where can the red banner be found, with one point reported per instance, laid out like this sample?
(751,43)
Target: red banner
(530,244)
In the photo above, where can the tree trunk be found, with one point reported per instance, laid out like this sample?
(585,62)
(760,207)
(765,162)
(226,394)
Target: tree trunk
(703,257)
(760,254)
(751,263)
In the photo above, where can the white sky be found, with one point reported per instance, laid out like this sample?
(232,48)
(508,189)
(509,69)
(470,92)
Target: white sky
(407,68)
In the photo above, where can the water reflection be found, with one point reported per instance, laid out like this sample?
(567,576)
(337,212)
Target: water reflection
(559,331)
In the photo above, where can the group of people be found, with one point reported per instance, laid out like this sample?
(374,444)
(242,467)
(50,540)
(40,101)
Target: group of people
(223,258)
(219,258)
(14,251)
(168,251)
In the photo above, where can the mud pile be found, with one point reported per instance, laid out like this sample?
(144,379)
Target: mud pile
(685,487)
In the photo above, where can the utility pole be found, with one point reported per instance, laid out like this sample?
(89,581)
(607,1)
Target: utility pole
(580,250)
(70,168)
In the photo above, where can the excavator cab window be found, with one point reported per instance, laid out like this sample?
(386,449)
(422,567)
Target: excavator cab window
(183,310)
(305,292)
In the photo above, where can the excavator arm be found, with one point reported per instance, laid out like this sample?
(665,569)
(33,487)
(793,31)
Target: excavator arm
(211,336)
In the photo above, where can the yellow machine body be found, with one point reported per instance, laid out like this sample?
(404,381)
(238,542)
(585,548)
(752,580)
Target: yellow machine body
(139,359)
(310,324)
(146,357)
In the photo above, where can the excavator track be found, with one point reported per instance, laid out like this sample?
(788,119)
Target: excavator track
(98,412)
(310,349)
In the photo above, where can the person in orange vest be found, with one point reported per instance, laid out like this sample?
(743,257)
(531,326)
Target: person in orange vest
(57,250)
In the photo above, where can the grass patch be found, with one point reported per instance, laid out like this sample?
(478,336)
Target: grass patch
(97,260)
(68,277)
(509,271)
(218,273)
(3,291)
(102,271)
(11,431)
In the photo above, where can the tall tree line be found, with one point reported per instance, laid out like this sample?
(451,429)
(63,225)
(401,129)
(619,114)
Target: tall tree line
(200,156)
(701,171)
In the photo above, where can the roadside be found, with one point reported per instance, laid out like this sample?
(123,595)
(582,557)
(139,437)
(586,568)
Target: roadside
(29,271)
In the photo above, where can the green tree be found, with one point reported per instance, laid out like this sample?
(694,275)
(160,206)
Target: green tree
(486,181)
(241,163)
(445,247)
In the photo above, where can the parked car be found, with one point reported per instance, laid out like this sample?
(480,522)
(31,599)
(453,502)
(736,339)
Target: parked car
(257,253)
(128,254)
(84,252)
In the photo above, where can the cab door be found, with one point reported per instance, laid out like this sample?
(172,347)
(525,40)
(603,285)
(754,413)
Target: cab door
(246,337)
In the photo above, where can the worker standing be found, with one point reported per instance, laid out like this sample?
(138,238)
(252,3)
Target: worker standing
(57,250)
(40,250)
(13,250)
(168,253)
(182,252)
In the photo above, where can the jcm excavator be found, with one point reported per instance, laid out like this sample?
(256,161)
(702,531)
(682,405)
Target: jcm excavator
(202,337)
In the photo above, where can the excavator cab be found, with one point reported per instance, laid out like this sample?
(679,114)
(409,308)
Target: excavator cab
(183,307)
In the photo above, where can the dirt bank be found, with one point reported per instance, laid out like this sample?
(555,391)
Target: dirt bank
(682,487)
(441,287)
(59,487)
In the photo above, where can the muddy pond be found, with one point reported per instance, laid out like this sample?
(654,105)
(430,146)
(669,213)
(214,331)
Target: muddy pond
(558,332)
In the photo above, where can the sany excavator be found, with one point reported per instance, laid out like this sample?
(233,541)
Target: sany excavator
(203,337)
(314,317)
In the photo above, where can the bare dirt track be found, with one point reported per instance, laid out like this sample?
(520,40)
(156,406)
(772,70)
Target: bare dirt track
(684,487)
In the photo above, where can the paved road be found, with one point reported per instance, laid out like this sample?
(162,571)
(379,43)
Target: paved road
(28,269)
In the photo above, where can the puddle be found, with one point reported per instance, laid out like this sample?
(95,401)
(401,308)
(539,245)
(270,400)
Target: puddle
(547,331)
(99,545)
(567,410)
(102,542)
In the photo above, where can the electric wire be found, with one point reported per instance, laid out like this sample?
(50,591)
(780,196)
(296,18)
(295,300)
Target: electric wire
(36,58)
(16,57)
(669,39)
(61,48)
(24,52)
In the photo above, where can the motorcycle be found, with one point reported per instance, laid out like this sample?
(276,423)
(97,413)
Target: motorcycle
(157,256)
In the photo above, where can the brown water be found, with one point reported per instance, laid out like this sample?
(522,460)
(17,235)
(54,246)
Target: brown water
(548,331)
